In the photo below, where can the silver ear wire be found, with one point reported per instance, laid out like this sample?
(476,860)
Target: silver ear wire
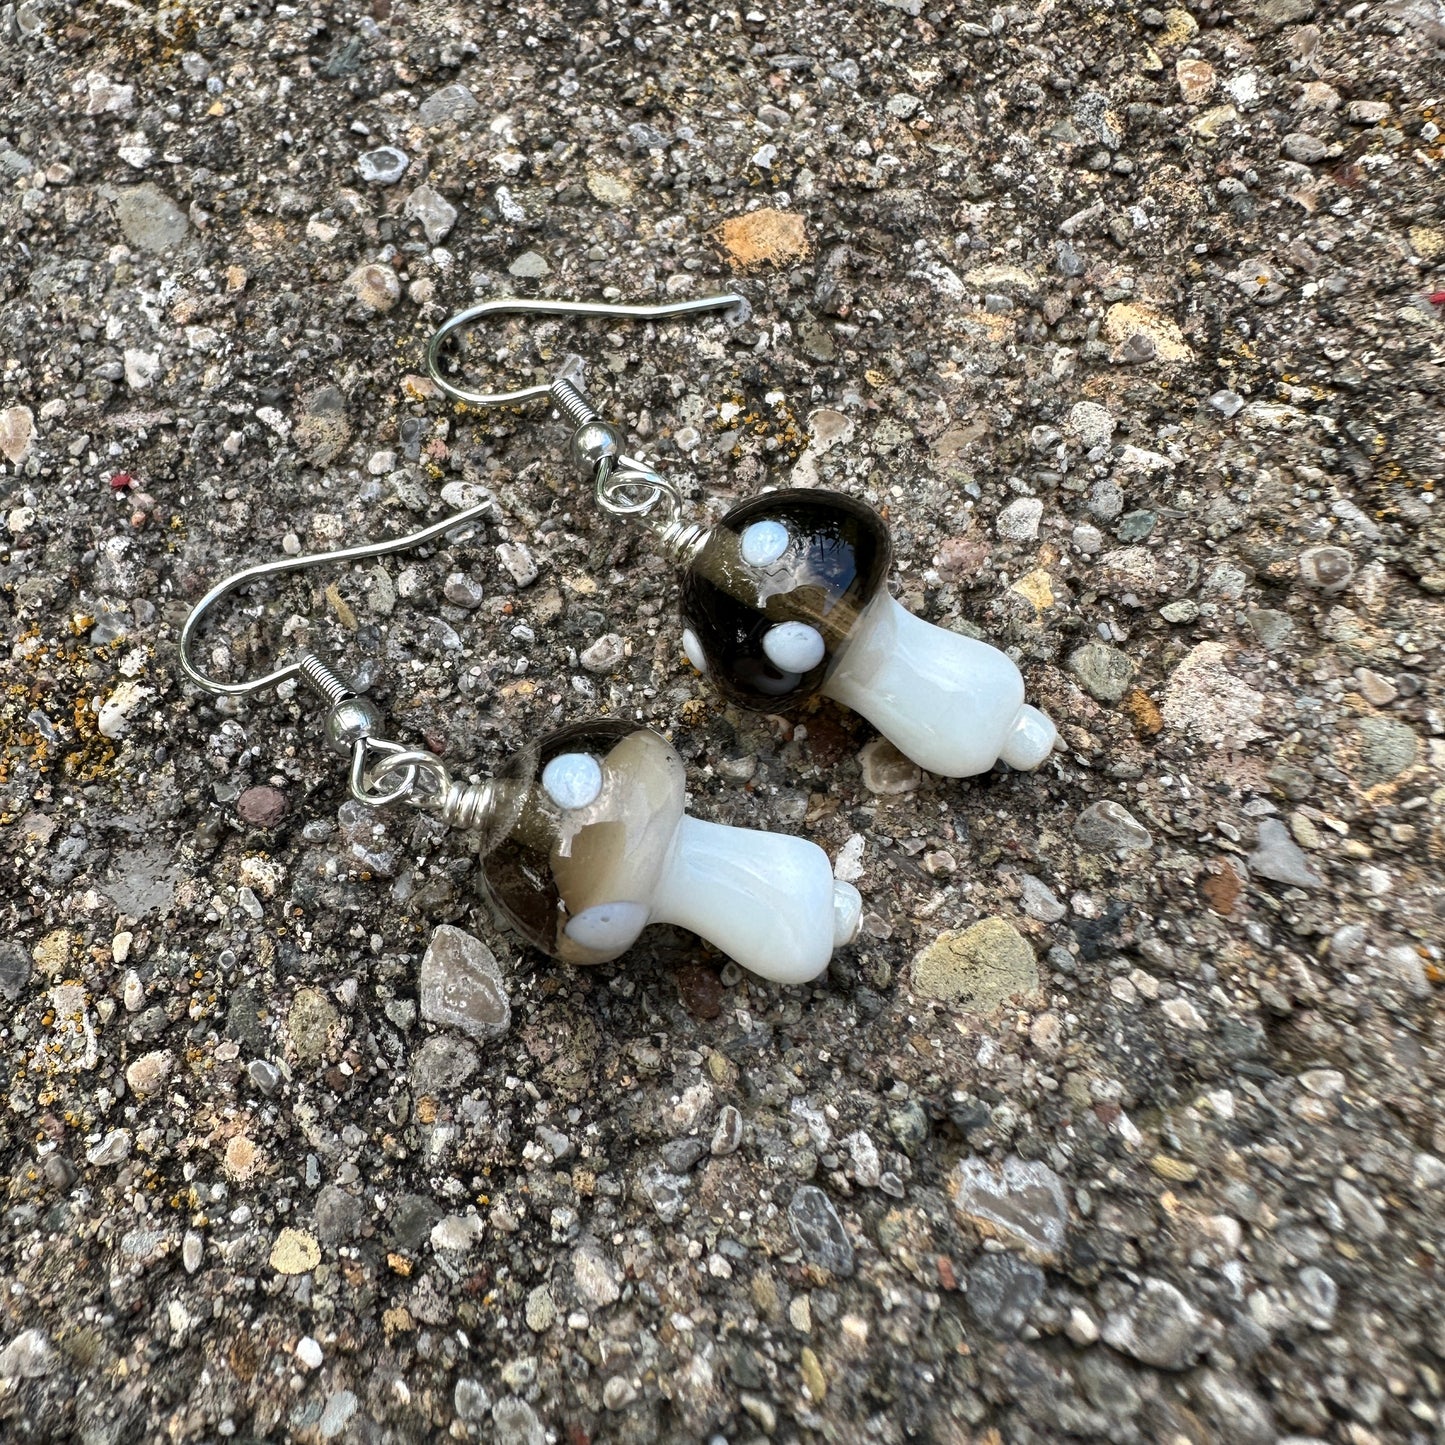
(622,485)
(381,771)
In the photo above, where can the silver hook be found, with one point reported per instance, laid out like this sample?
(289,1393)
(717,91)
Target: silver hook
(520,306)
(299,564)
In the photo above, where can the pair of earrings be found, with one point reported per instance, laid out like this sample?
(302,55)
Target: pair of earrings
(584,835)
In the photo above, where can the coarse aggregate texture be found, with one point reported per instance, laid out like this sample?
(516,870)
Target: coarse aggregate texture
(1130,320)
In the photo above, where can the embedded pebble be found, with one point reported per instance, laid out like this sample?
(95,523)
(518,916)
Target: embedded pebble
(1002,1290)
(1091,423)
(1103,672)
(1107,826)
(1157,1326)
(436,214)
(598,1279)
(295,1252)
(148,1074)
(530,266)
(262,807)
(382,167)
(450,103)
(1328,569)
(461,589)
(1019,521)
(604,655)
(1021,1202)
(886,771)
(375,286)
(17,433)
(1279,858)
(980,968)
(29,1356)
(819,1232)
(461,986)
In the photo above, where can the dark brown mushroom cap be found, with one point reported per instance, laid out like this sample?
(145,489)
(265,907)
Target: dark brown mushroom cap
(834,557)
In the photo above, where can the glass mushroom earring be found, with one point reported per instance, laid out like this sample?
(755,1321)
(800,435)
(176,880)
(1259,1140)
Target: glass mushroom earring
(787,595)
(584,837)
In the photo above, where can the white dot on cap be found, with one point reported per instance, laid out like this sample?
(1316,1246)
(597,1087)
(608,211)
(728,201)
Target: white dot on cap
(794,646)
(693,648)
(762,543)
(572,780)
(608,927)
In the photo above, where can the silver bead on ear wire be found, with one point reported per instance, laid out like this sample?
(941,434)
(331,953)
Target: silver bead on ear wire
(381,771)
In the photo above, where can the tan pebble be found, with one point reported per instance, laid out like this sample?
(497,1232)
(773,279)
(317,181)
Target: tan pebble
(240,1156)
(295,1252)
(764,238)
(1178,1171)
(149,1072)
(980,967)
(813,1376)
(375,286)
(1196,80)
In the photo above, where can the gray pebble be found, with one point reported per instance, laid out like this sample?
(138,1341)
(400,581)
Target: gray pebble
(516,1423)
(470,1398)
(382,167)
(1105,826)
(681,1154)
(451,102)
(1019,521)
(442,1064)
(339,1216)
(1318,1296)
(1103,672)
(148,217)
(1280,859)
(264,1075)
(340,1407)
(727,1135)
(461,986)
(530,266)
(1274,629)
(1387,748)
(1327,568)
(1039,902)
(1369,1223)
(193,1248)
(1300,146)
(1002,1289)
(29,1356)
(436,214)
(1158,1326)
(665,1191)
(1088,539)
(462,590)
(1106,500)
(518,561)
(605,654)
(1022,1202)
(819,1231)
(1227,403)
(14,970)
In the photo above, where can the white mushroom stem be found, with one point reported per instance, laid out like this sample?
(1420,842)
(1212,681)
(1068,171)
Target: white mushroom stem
(767,900)
(951,703)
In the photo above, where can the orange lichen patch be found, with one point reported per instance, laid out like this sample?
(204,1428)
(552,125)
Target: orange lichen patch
(764,238)
(1221,888)
(1143,713)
